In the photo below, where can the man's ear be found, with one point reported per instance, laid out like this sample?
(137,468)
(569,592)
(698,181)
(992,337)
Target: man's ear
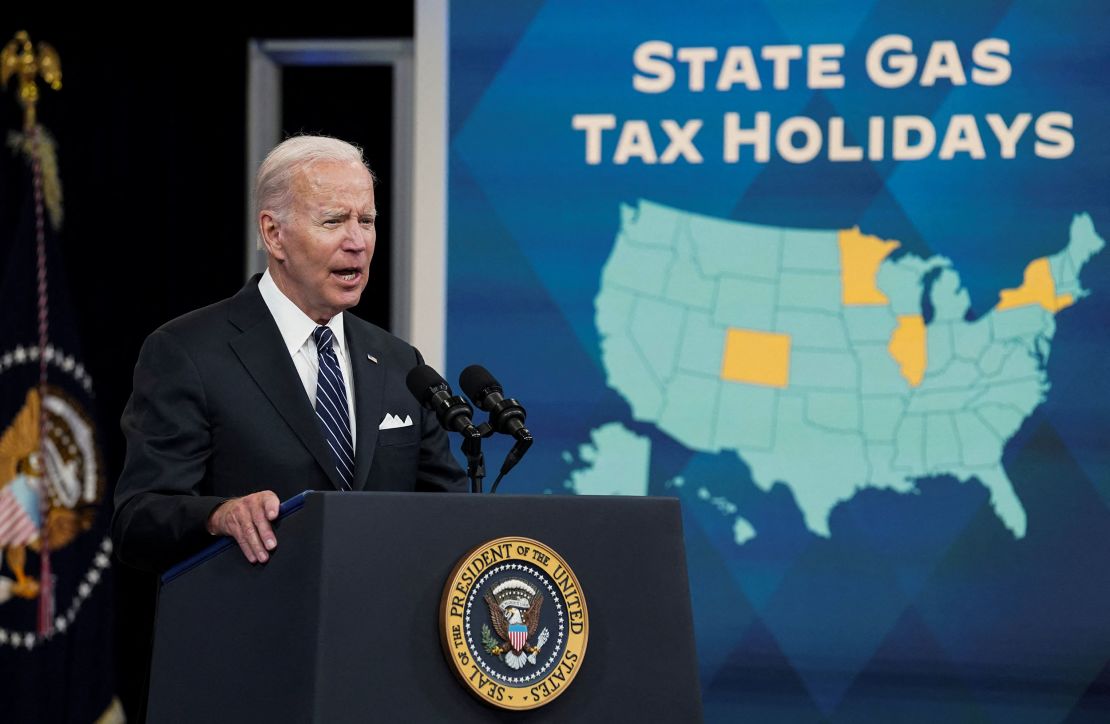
(270,228)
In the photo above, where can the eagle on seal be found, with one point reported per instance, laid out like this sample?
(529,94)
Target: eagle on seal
(514,609)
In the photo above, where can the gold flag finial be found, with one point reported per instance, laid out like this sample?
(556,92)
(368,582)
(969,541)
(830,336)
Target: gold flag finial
(18,58)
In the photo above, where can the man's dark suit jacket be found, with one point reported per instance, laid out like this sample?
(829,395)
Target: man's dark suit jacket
(218,411)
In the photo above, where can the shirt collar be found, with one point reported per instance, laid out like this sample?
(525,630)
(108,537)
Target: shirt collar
(295,326)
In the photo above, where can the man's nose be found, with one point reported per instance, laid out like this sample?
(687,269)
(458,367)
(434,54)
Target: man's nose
(357,237)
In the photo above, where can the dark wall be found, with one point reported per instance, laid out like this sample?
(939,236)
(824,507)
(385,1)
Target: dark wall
(151,136)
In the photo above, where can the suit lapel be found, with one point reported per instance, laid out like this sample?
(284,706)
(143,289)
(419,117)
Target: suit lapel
(264,355)
(369,382)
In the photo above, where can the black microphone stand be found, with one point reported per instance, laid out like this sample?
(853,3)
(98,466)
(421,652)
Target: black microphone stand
(475,460)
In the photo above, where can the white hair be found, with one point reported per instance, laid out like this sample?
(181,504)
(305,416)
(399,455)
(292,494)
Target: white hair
(273,184)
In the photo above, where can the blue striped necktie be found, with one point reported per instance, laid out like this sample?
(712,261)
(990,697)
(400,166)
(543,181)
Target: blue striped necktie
(331,407)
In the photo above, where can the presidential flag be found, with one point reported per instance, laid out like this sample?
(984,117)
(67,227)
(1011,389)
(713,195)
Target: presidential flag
(56,658)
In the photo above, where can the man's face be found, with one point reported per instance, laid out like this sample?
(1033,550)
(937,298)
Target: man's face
(320,253)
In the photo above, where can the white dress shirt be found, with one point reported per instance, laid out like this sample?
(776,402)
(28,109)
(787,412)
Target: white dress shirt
(296,329)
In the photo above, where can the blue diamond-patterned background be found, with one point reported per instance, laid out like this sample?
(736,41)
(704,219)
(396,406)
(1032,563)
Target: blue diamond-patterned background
(917,606)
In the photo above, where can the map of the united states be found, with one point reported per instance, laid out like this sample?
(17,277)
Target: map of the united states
(827,360)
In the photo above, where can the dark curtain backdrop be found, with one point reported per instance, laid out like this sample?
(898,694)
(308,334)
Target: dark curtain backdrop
(151,131)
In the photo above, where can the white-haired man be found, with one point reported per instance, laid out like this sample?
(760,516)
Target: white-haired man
(277,389)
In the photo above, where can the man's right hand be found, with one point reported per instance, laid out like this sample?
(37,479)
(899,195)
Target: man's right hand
(247,520)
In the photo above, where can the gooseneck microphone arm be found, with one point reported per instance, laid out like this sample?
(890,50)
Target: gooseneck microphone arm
(454,414)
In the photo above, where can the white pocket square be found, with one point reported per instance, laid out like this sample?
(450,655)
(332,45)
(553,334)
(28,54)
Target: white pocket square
(390,422)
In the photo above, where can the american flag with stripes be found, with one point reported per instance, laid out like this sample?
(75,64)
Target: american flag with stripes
(518,636)
(17,527)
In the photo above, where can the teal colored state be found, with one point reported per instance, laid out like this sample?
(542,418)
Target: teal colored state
(688,410)
(901,282)
(969,339)
(979,445)
(649,224)
(1019,363)
(951,399)
(818,369)
(656,329)
(881,472)
(686,286)
(821,467)
(742,530)
(1002,419)
(642,269)
(616,463)
(702,346)
(881,414)
(1003,499)
(1021,323)
(629,374)
(909,442)
(957,374)
(746,303)
(992,358)
(1083,244)
(869,324)
(732,248)
(810,290)
(628,370)
(950,300)
(836,411)
(938,348)
(745,417)
(613,310)
(812,330)
(1022,396)
(942,443)
(811,250)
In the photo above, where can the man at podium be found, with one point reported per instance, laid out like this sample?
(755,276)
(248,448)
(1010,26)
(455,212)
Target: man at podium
(277,389)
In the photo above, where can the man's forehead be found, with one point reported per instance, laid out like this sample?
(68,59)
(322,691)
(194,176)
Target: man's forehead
(324,179)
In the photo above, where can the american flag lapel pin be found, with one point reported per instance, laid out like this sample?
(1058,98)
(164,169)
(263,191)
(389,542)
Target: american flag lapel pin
(372,358)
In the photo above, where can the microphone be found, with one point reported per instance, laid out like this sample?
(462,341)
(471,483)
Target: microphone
(433,392)
(506,416)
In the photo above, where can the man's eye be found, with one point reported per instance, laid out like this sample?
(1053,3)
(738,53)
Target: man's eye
(367,221)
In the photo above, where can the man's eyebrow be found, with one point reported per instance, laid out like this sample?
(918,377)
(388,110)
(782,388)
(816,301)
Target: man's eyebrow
(342,213)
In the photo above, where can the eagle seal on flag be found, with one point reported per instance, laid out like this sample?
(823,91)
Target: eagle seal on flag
(514,609)
(64,471)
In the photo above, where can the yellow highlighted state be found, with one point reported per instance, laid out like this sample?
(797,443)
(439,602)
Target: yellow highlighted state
(1038,287)
(907,347)
(758,358)
(860,257)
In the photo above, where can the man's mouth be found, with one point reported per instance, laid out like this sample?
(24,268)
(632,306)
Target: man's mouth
(347,275)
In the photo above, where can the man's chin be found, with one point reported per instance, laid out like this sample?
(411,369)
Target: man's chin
(346,298)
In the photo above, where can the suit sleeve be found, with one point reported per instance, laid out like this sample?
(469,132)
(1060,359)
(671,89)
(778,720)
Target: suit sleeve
(438,470)
(160,513)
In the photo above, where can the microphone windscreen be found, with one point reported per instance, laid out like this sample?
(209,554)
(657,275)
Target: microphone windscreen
(423,381)
(477,382)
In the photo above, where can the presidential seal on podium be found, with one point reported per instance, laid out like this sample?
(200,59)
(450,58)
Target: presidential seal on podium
(514,623)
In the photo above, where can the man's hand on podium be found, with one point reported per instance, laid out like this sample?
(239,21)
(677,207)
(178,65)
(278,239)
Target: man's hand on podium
(247,520)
